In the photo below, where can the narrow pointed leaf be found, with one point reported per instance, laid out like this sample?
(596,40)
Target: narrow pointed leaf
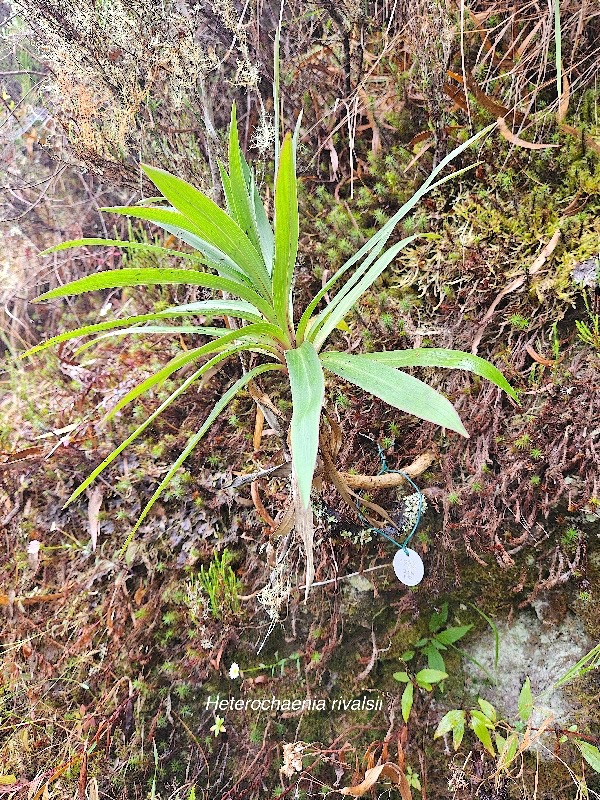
(123,244)
(483,734)
(214,258)
(440,357)
(341,304)
(212,224)
(395,388)
(449,722)
(114,278)
(488,709)
(257,332)
(242,202)
(286,232)
(434,658)
(308,392)
(98,327)
(263,229)
(378,240)
(141,428)
(193,440)
(525,704)
(407,701)
(237,309)
(168,330)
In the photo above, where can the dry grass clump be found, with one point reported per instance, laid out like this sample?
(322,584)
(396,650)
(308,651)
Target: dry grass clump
(132,80)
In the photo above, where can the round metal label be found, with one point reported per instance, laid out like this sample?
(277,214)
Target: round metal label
(408,567)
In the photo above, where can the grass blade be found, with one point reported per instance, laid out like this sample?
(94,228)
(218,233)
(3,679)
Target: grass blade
(117,451)
(154,329)
(151,248)
(378,240)
(243,203)
(98,327)
(258,332)
(341,304)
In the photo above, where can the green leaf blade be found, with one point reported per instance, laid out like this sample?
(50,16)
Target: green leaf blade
(525,704)
(287,232)
(451,635)
(440,357)
(395,388)
(453,721)
(308,393)
(482,732)
(590,753)
(240,199)
(407,701)
(118,450)
(117,278)
(212,224)
(430,676)
(193,441)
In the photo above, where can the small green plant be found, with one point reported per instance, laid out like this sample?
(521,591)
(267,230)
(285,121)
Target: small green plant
(440,639)
(519,322)
(278,666)
(250,265)
(523,442)
(423,679)
(506,740)
(589,331)
(221,586)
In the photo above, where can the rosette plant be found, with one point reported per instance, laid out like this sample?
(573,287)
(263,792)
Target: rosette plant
(249,265)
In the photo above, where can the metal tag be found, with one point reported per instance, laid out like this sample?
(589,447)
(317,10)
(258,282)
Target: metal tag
(408,567)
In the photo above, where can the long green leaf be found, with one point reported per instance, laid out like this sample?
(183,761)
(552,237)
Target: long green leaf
(308,392)
(439,357)
(396,388)
(172,221)
(98,327)
(193,440)
(378,240)
(124,244)
(263,229)
(169,330)
(114,278)
(242,201)
(335,312)
(258,332)
(213,225)
(214,257)
(217,308)
(117,451)
(286,233)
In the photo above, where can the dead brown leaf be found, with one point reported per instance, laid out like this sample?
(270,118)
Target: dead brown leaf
(372,776)
(507,134)
(95,497)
